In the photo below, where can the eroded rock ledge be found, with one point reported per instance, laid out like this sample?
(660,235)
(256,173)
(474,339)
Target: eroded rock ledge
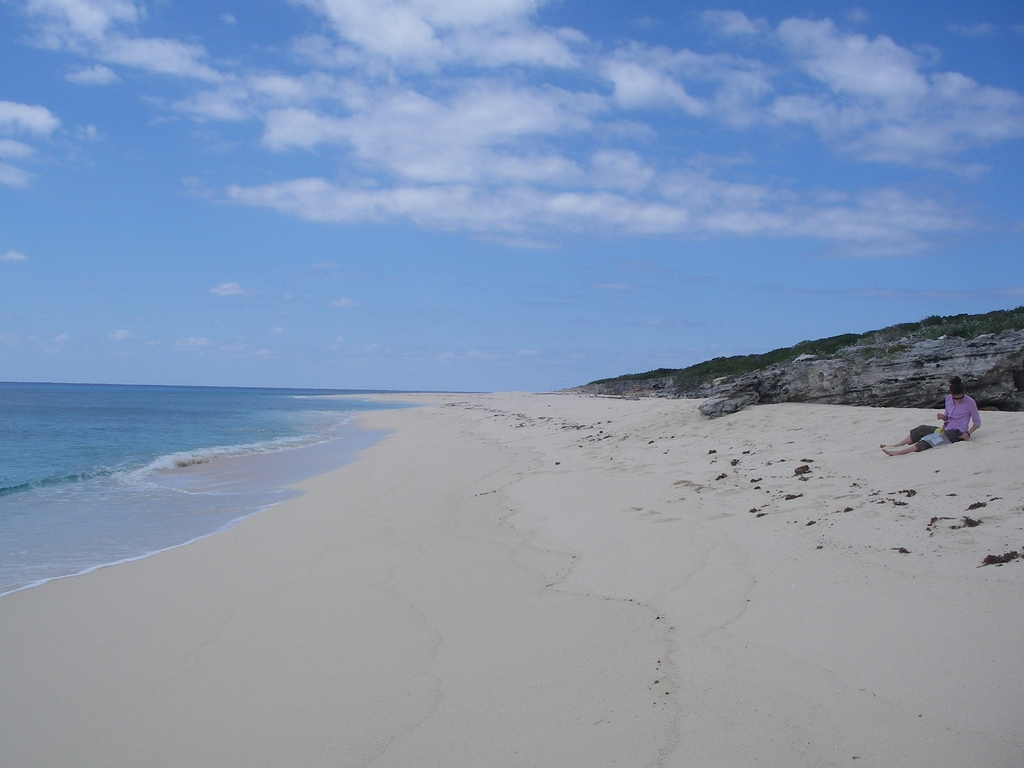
(912,373)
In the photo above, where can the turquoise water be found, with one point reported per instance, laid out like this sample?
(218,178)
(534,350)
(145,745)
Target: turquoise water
(97,474)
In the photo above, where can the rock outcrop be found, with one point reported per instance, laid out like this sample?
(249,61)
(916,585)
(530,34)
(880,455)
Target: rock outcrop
(910,373)
(720,405)
(632,388)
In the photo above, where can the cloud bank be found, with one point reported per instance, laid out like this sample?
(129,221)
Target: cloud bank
(475,116)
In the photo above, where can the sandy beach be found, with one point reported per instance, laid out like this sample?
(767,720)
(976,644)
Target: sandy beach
(561,580)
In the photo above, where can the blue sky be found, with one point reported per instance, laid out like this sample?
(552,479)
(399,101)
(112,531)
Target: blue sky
(493,194)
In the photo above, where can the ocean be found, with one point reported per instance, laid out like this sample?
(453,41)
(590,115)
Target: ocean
(92,475)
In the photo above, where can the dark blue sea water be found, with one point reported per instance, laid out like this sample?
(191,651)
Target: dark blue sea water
(97,474)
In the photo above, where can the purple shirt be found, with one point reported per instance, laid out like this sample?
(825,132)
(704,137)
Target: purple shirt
(959,414)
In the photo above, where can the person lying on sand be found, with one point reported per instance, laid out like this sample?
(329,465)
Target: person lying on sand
(959,420)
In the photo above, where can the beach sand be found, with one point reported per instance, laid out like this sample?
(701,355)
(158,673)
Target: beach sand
(561,580)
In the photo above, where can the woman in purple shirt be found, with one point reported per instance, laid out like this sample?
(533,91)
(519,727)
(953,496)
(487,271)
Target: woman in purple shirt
(959,420)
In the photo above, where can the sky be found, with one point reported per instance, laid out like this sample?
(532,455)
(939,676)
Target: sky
(493,194)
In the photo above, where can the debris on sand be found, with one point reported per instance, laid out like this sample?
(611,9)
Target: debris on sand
(1006,557)
(931,524)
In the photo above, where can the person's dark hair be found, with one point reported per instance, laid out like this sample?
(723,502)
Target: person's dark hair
(956,386)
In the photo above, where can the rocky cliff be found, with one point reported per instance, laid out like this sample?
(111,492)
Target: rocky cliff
(911,373)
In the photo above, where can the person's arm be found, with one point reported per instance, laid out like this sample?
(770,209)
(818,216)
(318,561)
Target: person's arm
(975,418)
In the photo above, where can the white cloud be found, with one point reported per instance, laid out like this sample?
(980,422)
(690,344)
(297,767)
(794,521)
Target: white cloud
(873,98)
(301,128)
(480,154)
(95,75)
(733,23)
(284,89)
(487,132)
(14,177)
(14,150)
(642,87)
(605,211)
(97,28)
(81,19)
(471,115)
(854,64)
(120,335)
(440,206)
(344,303)
(980,29)
(13,256)
(191,342)
(531,47)
(228,102)
(880,105)
(690,203)
(228,289)
(88,133)
(163,56)
(321,51)
(619,169)
(390,29)
(857,15)
(244,98)
(34,119)
(731,88)
(421,34)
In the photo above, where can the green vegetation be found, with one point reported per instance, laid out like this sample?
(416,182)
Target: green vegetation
(884,342)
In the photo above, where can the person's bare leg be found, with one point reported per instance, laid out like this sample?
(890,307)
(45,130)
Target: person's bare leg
(905,441)
(901,451)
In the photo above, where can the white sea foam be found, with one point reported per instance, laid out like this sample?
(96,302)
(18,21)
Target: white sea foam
(186,459)
(93,484)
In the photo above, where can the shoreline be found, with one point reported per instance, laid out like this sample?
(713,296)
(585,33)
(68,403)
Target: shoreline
(244,480)
(559,580)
